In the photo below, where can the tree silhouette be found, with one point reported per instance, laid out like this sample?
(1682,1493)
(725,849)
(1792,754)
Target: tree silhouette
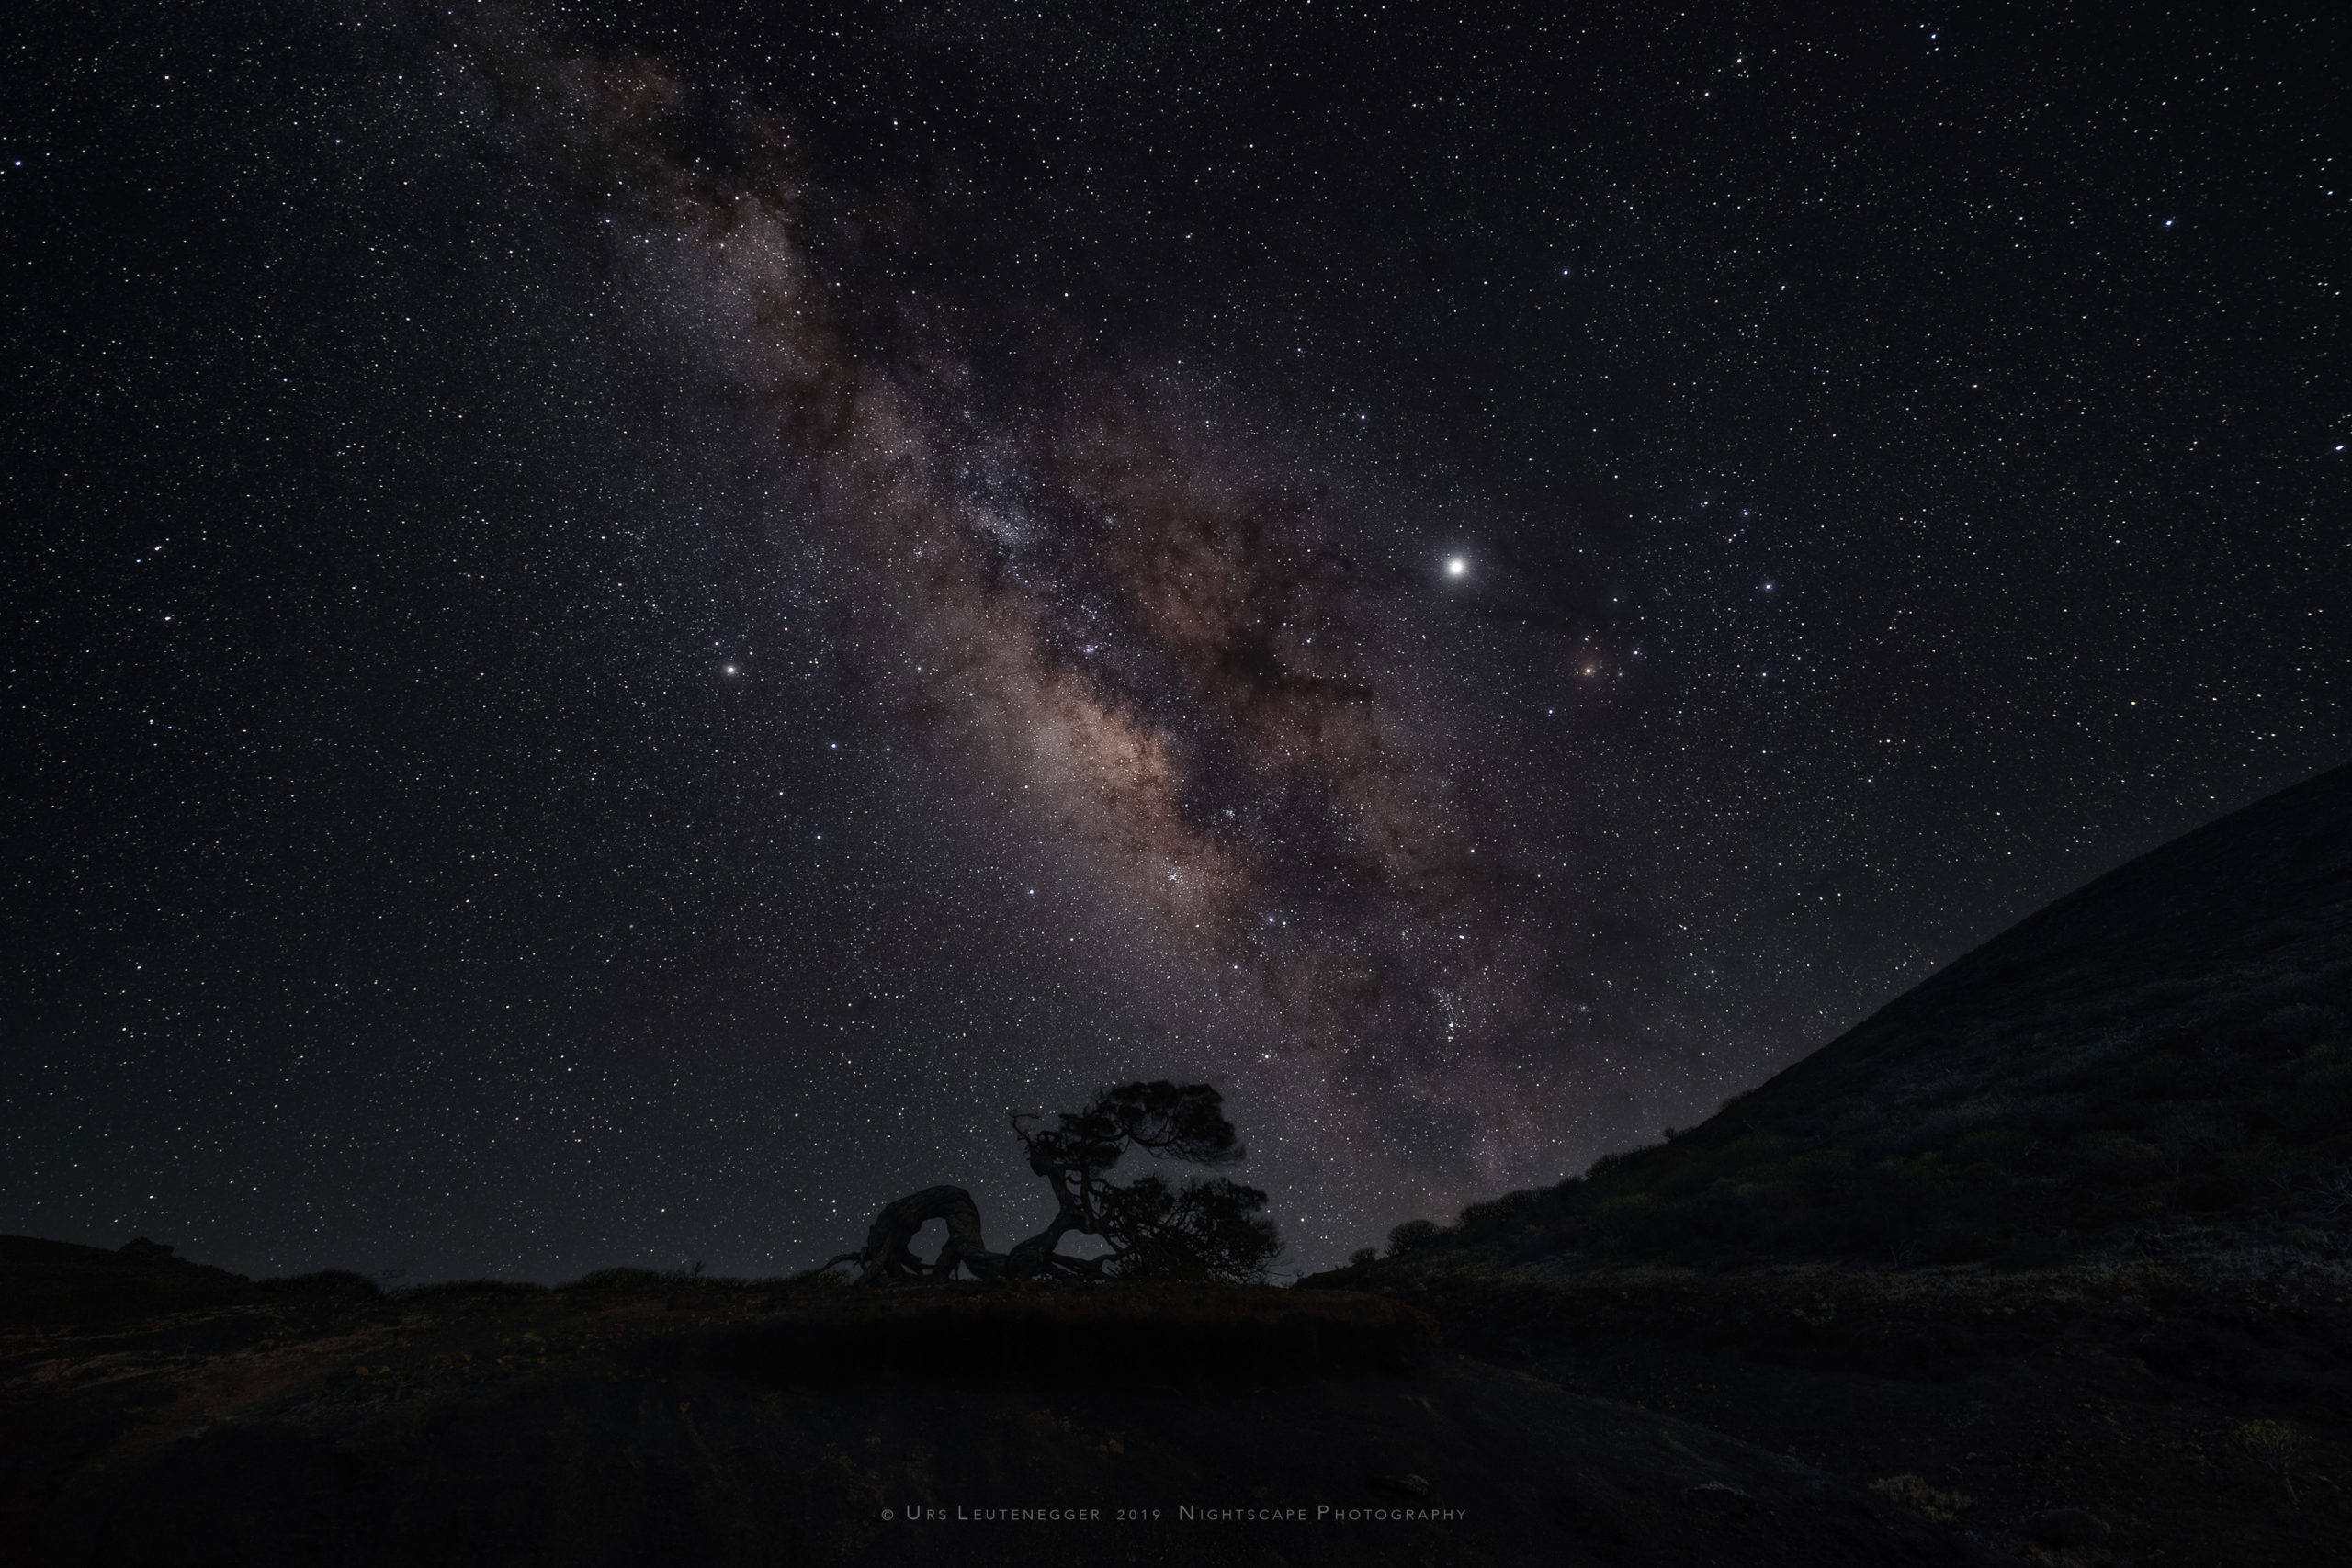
(1205,1229)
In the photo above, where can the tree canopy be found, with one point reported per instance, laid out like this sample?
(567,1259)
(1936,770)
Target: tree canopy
(1210,1228)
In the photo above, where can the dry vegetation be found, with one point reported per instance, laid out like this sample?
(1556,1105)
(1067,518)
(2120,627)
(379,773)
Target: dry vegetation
(2200,1414)
(2066,1230)
(2160,1059)
(2100,1119)
(647,1418)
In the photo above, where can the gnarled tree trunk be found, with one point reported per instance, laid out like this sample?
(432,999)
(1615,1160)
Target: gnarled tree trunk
(885,1254)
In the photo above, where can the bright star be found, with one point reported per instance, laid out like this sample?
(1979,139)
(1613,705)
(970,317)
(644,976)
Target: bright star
(1457,567)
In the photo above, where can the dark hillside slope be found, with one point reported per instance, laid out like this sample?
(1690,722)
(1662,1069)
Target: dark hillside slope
(57,1282)
(2159,1059)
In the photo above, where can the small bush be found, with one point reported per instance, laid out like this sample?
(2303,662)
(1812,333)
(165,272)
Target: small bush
(1822,1174)
(449,1290)
(2277,1447)
(1914,1494)
(327,1284)
(1608,1163)
(1412,1236)
(622,1280)
(1502,1211)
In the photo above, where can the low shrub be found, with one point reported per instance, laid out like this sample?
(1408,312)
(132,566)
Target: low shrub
(1138,1336)
(1917,1494)
(326,1284)
(1501,1214)
(1412,1236)
(454,1290)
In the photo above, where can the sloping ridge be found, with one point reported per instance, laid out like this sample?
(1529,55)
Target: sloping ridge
(2264,880)
(60,1282)
(2162,1050)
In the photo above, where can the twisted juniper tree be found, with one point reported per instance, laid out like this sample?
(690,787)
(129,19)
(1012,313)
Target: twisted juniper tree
(1204,1229)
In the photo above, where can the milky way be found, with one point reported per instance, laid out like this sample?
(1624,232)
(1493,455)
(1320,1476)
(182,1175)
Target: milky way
(1160,648)
(630,632)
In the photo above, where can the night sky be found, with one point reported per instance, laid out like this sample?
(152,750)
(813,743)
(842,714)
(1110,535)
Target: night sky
(625,627)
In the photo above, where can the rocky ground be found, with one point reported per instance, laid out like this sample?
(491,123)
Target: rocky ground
(2153,1414)
(642,1419)
(2196,1415)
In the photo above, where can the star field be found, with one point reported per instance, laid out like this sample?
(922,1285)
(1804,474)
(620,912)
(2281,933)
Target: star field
(627,628)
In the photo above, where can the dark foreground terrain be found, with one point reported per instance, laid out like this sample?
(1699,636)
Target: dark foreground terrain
(2048,1261)
(2068,1225)
(2196,1419)
(642,1419)
(151,1411)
